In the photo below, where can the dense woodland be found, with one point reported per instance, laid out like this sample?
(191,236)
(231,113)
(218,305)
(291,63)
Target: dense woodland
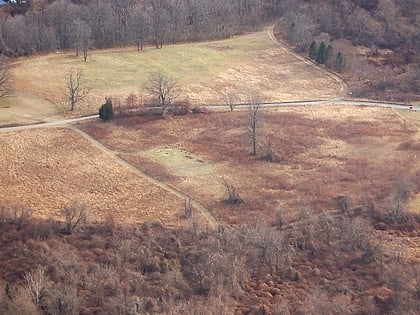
(334,263)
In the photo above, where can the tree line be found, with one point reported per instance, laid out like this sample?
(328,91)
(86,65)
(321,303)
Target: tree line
(81,25)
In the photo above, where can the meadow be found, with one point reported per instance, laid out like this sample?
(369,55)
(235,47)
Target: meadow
(204,72)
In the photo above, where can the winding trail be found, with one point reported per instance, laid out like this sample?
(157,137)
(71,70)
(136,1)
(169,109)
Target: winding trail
(205,212)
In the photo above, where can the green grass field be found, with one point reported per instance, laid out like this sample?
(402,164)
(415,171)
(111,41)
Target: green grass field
(128,69)
(204,71)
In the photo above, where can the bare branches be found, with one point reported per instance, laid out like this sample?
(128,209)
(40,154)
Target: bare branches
(34,283)
(254,120)
(233,195)
(163,88)
(75,89)
(230,99)
(5,76)
(76,215)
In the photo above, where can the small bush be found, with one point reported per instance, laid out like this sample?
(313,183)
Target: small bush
(106,112)
(181,108)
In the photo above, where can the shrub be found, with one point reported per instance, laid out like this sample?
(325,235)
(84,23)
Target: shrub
(106,112)
(181,107)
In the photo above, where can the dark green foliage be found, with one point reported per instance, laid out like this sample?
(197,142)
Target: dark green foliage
(106,112)
(329,56)
(339,62)
(321,55)
(312,50)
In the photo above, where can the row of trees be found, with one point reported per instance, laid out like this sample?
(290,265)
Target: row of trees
(79,25)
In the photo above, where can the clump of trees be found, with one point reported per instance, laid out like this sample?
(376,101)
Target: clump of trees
(324,54)
(377,25)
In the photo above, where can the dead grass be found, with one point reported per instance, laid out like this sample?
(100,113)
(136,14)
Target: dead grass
(45,169)
(324,152)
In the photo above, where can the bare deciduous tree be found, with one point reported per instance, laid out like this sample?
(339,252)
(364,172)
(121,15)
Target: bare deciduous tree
(158,22)
(34,283)
(233,195)
(254,120)
(75,215)
(164,89)
(230,99)
(21,217)
(5,76)
(75,89)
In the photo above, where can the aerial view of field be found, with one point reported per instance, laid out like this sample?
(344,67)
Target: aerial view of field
(204,71)
(231,206)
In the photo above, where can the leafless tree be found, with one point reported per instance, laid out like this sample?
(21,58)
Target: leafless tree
(34,283)
(188,209)
(254,120)
(158,22)
(63,300)
(75,215)
(75,89)
(21,217)
(164,88)
(82,37)
(233,195)
(231,99)
(5,76)
(139,27)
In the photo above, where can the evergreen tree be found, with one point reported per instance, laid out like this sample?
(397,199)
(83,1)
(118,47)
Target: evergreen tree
(106,112)
(339,62)
(329,56)
(312,50)
(320,56)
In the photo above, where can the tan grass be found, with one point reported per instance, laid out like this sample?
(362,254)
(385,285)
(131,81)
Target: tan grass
(45,169)
(325,151)
(204,71)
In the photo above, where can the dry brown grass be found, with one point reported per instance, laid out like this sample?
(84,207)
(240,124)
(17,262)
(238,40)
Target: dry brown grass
(45,169)
(323,152)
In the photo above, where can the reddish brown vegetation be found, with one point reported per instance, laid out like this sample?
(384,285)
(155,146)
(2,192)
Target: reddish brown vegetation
(321,230)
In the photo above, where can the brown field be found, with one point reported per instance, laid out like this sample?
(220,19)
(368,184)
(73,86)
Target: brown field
(45,169)
(364,153)
(322,152)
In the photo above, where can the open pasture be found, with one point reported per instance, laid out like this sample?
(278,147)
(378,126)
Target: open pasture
(204,71)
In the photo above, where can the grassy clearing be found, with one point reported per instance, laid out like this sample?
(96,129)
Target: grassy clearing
(180,162)
(204,71)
